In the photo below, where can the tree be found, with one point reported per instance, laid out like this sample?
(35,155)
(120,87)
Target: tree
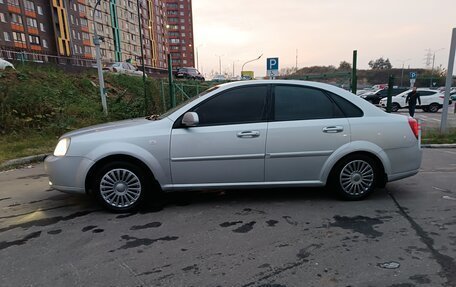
(344,66)
(380,64)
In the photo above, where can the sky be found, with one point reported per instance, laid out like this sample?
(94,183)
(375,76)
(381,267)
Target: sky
(324,32)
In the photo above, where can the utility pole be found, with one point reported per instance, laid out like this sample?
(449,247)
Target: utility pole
(448,82)
(402,73)
(296,66)
(96,41)
(432,69)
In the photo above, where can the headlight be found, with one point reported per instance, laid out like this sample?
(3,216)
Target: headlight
(62,147)
(362,96)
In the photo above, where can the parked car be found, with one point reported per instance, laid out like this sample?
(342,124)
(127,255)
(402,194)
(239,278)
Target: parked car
(219,78)
(189,73)
(376,96)
(124,68)
(245,134)
(431,100)
(5,65)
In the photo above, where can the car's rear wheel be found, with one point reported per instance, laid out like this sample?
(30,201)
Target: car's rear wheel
(120,186)
(354,177)
(433,108)
(395,107)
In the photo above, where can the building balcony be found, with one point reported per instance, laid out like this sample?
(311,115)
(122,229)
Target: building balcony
(86,43)
(17,27)
(30,14)
(85,29)
(82,1)
(33,31)
(20,45)
(14,9)
(82,15)
(87,56)
(36,48)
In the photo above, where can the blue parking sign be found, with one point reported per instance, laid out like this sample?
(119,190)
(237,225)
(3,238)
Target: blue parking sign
(413,75)
(272,64)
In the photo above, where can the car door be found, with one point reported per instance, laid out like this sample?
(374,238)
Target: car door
(227,147)
(305,129)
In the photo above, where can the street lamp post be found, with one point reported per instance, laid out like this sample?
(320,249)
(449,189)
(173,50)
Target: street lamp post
(96,41)
(220,63)
(402,73)
(142,57)
(432,69)
(242,69)
(197,59)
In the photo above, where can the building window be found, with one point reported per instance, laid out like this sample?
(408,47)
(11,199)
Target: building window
(84,22)
(16,19)
(13,2)
(2,17)
(45,44)
(34,40)
(42,27)
(32,22)
(29,5)
(6,35)
(85,36)
(19,37)
(39,9)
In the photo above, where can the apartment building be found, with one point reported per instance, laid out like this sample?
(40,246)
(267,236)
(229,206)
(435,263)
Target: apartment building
(64,29)
(25,26)
(180,32)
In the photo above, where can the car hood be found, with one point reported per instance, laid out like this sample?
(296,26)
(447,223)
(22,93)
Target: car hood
(108,126)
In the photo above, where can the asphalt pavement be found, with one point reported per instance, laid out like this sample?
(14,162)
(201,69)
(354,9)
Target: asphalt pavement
(403,235)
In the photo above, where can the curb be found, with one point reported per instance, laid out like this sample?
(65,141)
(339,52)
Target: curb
(40,157)
(438,145)
(22,161)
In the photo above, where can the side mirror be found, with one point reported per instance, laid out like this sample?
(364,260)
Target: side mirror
(190,119)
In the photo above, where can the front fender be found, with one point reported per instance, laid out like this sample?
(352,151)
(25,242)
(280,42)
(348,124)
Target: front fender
(158,166)
(352,147)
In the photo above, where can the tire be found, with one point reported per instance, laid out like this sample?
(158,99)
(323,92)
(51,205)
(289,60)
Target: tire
(354,177)
(433,108)
(395,107)
(120,186)
(425,109)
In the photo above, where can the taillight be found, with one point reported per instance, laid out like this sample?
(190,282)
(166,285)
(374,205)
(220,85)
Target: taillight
(414,126)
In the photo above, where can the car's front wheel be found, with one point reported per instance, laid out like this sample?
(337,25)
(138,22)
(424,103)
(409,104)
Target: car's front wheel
(354,177)
(120,186)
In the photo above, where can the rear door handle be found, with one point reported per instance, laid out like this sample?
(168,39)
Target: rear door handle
(248,134)
(333,129)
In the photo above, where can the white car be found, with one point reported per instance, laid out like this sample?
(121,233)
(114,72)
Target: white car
(124,68)
(244,134)
(431,100)
(5,65)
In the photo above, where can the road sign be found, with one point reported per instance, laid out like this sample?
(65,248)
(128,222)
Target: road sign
(413,75)
(272,67)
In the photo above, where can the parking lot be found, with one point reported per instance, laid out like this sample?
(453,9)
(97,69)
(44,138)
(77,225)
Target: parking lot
(403,235)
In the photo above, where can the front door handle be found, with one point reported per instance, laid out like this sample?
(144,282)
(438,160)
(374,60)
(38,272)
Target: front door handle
(248,134)
(333,129)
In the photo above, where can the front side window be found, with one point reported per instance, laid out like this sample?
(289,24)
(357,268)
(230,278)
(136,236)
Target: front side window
(236,106)
(301,103)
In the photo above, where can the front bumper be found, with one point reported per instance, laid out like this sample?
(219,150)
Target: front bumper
(67,173)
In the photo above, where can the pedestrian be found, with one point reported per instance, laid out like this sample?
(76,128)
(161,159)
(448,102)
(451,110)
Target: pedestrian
(411,99)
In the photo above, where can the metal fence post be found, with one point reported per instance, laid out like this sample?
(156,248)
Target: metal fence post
(390,93)
(354,76)
(172,94)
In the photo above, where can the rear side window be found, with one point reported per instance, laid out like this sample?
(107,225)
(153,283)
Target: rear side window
(426,93)
(347,108)
(302,103)
(236,106)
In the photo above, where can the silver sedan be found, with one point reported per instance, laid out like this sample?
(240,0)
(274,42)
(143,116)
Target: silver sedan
(250,134)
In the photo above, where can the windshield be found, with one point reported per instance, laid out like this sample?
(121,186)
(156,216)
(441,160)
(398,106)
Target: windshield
(172,110)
